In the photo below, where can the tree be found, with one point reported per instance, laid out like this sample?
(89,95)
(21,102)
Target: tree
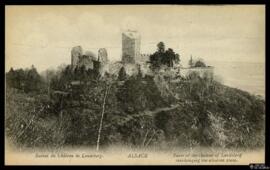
(90,74)
(27,80)
(20,78)
(139,75)
(169,57)
(158,57)
(83,74)
(10,77)
(190,62)
(177,58)
(199,63)
(33,81)
(161,47)
(68,73)
(162,57)
(122,75)
(11,71)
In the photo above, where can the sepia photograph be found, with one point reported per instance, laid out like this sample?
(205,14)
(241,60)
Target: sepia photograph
(134,84)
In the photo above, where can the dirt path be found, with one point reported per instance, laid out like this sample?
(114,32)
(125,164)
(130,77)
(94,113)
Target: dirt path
(162,109)
(127,118)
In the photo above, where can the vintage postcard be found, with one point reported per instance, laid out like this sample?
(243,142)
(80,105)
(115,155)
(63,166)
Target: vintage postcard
(135,85)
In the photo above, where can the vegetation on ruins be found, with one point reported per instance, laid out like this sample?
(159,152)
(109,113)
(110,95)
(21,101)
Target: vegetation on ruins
(163,57)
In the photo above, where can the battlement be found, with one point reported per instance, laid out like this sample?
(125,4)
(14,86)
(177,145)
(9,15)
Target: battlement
(132,34)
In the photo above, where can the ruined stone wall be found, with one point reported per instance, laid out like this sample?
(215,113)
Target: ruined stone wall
(144,58)
(80,58)
(85,61)
(103,56)
(76,52)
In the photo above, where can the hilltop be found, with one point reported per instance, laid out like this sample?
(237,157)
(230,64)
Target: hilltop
(135,102)
(140,111)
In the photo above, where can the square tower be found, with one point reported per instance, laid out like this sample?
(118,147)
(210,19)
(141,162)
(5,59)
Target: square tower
(131,42)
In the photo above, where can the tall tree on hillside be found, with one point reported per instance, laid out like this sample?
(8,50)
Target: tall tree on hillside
(190,62)
(169,57)
(162,57)
(10,77)
(33,80)
(139,75)
(122,75)
(83,74)
(68,73)
(20,78)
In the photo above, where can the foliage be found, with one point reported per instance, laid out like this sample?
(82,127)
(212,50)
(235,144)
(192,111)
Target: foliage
(223,116)
(25,116)
(138,94)
(199,63)
(68,74)
(122,75)
(206,113)
(161,47)
(162,57)
(27,80)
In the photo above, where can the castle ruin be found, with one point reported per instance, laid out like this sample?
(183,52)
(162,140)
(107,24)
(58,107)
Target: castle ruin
(103,56)
(76,52)
(131,43)
(88,59)
(131,57)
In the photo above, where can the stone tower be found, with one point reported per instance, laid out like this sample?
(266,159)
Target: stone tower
(131,42)
(76,52)
(103,56)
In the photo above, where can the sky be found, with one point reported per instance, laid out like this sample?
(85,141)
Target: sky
(44,35)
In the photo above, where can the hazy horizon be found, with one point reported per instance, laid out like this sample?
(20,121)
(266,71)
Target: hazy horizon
(44,35)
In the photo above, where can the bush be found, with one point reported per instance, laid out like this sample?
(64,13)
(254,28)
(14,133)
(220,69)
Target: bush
(199,64)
